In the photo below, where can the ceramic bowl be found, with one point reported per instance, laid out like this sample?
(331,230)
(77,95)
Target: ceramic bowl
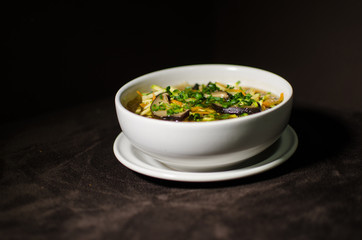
(203,146)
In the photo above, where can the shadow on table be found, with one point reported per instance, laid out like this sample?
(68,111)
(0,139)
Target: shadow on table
(321,133)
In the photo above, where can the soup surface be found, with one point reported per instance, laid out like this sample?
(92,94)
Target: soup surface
(200,102)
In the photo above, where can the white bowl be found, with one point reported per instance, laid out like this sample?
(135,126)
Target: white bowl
(200,146)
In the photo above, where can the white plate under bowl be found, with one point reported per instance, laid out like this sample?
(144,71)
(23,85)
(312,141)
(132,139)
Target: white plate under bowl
(139,162)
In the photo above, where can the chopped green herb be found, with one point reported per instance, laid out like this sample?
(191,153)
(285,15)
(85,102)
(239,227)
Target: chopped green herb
(205,103)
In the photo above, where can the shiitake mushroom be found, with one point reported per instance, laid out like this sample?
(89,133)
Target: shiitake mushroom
(164,99)
(236,110)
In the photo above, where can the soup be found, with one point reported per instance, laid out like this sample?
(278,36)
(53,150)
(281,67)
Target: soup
(200,102)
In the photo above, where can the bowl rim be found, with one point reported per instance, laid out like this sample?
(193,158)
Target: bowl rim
(139,79)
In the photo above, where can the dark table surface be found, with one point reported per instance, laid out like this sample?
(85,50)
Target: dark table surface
(61,180)
(59,177)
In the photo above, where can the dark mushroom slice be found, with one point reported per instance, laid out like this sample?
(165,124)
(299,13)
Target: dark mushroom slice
(196,87)
(163,99)
(178,117)
(236,110)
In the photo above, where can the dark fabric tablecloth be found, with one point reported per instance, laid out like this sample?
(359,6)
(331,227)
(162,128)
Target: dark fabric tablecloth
(59,179)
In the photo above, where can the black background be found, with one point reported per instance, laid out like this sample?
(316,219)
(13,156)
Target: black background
(61,53)
(65,61)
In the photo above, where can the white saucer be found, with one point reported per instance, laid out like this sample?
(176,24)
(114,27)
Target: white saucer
(139,162)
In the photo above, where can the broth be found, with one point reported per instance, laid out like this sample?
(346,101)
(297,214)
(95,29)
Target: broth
(200,103)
